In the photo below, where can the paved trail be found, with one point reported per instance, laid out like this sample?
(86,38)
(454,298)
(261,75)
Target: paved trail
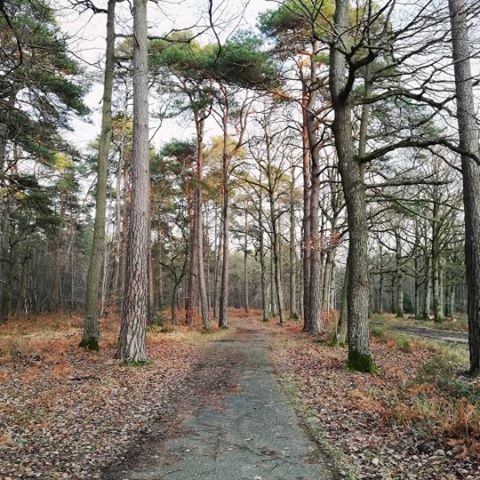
(445,336)
(250,433)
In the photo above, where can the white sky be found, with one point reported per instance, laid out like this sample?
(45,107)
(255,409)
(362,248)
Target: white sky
(88,45)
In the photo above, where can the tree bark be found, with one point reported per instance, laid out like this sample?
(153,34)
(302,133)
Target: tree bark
(131,344)
(263,274)
(293,257)
(306,170)
(91,332)
(224,287)
(202,286)
(359,355)
(245,261)
(468,133)
(398,276)
(315,322)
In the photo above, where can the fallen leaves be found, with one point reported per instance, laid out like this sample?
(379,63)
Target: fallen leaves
(65,413)
(388,425)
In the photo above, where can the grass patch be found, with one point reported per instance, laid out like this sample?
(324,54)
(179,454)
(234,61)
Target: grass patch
(145,363)
(167,330)
(403,343)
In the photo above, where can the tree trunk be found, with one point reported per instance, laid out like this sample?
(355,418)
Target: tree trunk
(427,279)
(224,287)
(192,264)
(381,282)
(398,277)
(306,169)
(261,247)
(4,247)
(275,221)
(218,271)
(471,174)
(245,261)
(202,285)
(359,355)
(292,267)
(273,296)
(91,333)
(131,344)
(341,330)
(436,285)
(151,289)
(315,322)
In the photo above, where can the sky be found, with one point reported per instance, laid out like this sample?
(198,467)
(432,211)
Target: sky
(87,44)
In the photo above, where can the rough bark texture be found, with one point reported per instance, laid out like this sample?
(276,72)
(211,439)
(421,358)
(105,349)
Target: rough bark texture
(245,261)
(224,288)
(91,333)
(131,344)
(359,356)
(306,215)
(292,257)
(398,276)
(471,174)
(315,311)
(261,247)
(202,285)
(192,263)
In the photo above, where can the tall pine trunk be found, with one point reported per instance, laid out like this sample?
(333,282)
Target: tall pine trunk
(131,343)
(307,231)
(202,285)
(471,174)
(224,287)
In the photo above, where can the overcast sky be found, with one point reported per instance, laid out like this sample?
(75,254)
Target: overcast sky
(87,32)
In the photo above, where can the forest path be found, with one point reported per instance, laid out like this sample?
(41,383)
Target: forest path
(445,336)
(245,430)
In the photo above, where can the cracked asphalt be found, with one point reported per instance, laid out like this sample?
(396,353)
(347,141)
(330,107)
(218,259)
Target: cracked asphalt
(250,432)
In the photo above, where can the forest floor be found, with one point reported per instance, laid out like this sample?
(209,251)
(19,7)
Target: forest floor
(67,414)
(209,406)
(417,418)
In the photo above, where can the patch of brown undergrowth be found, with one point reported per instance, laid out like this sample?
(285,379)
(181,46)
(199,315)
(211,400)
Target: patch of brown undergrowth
(417,398)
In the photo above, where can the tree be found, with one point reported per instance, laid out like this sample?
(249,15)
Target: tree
(40,91)
(90,327)
(131,342)
(469,144)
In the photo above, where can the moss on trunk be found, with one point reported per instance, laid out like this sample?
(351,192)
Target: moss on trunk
(361,362)
(90,343)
